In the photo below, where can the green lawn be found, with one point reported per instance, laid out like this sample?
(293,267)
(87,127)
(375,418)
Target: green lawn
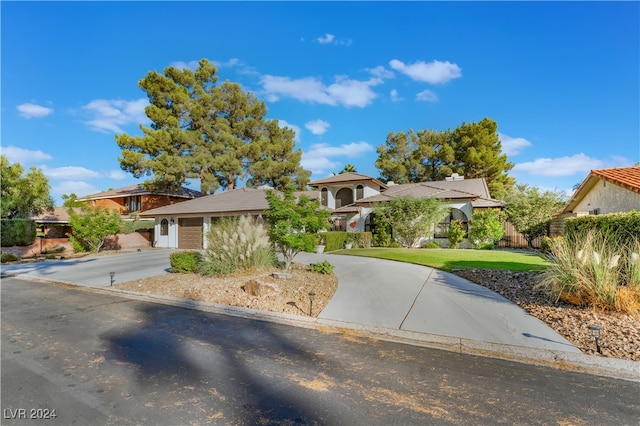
(448,260)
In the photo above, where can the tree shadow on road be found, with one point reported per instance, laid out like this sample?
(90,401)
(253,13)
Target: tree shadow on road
(247,368)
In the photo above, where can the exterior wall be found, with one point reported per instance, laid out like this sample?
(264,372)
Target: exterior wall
(150,201)
(608,198)
(368,191)
(38,246)
(111,204)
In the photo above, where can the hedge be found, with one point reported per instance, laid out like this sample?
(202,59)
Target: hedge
(334,240)
(623,227)
(17,232)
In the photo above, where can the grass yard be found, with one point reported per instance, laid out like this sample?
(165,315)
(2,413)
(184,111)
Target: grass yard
(448,259)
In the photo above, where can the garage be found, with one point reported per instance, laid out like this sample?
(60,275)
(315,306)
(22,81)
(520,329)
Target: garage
(190,233)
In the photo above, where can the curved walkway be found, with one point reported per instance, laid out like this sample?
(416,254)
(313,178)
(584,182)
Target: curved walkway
(395,295)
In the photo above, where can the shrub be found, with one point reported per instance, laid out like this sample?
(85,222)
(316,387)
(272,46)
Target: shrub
(362,239)
(333,240)
(53,250)
(455,234)
(431,245)
(17,232)
(487,228)
(547,242)
(382,237)
(323,267)
(237,244)
(185,262)
(623,227)
(131,226)
(8,257)
(593,270)
(50,256)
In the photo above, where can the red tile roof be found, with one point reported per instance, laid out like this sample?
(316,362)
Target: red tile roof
(626,177)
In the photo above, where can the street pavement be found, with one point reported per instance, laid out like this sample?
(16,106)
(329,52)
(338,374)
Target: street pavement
(90,357)
(392,300)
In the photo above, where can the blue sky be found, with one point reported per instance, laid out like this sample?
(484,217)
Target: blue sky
(560,79)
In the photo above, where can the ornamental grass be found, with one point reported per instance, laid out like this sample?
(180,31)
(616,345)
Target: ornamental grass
(594,270)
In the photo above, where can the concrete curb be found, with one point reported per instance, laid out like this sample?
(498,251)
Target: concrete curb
(568,361)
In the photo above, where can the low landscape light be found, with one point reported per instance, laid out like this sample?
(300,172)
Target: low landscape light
(596,330)
(111,275)
(312,295)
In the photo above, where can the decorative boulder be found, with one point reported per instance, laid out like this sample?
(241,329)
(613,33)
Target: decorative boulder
(261,287)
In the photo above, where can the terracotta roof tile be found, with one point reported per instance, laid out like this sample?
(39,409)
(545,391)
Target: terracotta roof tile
(627,177)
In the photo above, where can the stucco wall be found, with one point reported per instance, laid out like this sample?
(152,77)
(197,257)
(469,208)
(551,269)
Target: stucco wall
(609,198)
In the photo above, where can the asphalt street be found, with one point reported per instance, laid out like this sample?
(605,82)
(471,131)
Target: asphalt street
(97,358)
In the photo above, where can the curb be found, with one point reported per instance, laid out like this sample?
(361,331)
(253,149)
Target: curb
(567,361)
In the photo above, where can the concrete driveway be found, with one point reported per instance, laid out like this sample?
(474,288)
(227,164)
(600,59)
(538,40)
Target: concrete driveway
(93,271)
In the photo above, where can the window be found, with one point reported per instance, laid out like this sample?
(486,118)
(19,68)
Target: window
(132,204)
(443,227)
(344,197)
(323,197)
(164,227)
(359,192)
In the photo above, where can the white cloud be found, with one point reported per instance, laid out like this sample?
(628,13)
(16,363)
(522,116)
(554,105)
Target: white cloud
(435,72)
(345,91)
(331,39)
(23,156)
(395,97)
(117,174)
(109,115)
(77,187)
(328,38)
(296,129)
(318,158)
(317,127)
(381,72)
(427,96)
(561,166)
(70,172)
(192,65)
(513,146)
(30,110)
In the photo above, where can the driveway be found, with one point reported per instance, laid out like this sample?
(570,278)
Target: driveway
(93,271)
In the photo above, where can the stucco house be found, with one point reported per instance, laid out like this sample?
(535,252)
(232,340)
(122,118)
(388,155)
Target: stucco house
(349,197)
(603,191)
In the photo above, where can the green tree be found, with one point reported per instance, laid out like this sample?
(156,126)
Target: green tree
(273,160)
(487,228)
(411,218)
(293,223)
(396,159)
(478,154)
(530,210)
(472,150)
(201,130)
(23,194)
(91,226)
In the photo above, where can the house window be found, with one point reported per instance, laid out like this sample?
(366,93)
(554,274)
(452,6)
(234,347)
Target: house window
(443,226)
(132,204)
(164,227)
(324,197)
(359,192)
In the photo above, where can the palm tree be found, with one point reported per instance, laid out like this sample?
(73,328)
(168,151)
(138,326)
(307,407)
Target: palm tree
(349,168)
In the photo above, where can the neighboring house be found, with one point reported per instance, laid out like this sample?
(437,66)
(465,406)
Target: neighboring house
(349,196)
(53,224)
(603,191)
(134,199)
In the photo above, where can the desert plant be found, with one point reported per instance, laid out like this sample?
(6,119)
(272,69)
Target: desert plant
(53,250)
(185,262)
(587,270)
(455,234)
(237,244)
(323,267)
